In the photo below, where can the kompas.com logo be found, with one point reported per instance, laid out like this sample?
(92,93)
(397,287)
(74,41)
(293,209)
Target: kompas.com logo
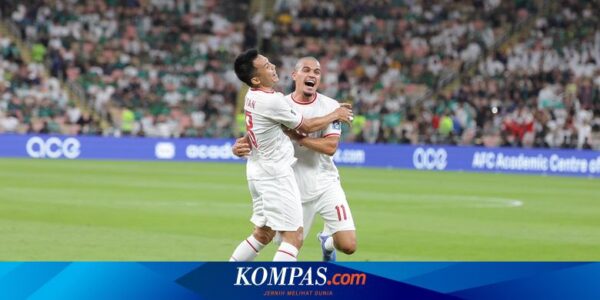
(295,276)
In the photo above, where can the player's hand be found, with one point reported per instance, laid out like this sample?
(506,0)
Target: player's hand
(241,148)
(346,105)
(345,114)
(293,134)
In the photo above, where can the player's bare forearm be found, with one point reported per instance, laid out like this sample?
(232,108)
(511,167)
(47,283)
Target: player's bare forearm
(343,113)
(316,124)
(326,145)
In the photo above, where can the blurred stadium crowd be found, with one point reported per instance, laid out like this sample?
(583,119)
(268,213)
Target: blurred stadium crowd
(484,72)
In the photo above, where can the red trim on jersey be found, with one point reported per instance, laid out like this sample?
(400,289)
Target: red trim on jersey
(305,103)
(331,134)
(283,251)
(301,121)
(247,241)
(261,90)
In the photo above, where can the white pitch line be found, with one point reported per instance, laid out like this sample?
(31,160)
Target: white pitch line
(437,199)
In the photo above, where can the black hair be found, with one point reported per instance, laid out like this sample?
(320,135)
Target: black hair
(244,66)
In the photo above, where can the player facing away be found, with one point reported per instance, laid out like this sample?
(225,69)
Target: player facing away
(275,195)
(316,174)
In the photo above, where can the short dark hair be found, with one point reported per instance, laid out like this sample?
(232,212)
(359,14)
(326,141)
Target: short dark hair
(244,66)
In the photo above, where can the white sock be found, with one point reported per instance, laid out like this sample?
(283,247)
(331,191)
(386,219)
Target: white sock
(247,250)
(286,252)
(329,244)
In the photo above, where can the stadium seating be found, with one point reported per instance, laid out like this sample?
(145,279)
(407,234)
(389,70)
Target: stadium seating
(542,91)
(31,102)
(152,70)
(493,73)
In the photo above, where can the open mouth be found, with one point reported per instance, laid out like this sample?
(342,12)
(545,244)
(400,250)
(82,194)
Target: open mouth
(310,83)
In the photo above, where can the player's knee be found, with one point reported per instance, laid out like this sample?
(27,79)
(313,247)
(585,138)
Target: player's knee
(298,243)
(348,246)
(264,235)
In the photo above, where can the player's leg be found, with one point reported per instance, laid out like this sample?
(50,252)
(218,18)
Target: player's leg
(308,213)
(291,242)
(339,231)
(249,248)
(283,211)
(345,241)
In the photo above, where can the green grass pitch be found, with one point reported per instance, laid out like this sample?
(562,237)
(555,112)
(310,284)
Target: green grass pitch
(173,211)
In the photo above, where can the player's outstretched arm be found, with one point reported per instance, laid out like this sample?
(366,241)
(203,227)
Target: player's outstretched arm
(342,113)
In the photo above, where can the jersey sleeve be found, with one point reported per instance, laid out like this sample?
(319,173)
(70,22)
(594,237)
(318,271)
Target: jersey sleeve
(281,111)
(334,129)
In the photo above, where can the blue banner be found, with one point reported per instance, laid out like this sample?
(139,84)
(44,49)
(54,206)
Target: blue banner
(220,280)
(126,148)
(472,159)
(439,158)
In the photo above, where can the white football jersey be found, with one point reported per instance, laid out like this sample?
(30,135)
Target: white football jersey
(272,153)
(315,171)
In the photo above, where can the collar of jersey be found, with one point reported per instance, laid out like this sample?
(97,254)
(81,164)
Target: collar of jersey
(261,90)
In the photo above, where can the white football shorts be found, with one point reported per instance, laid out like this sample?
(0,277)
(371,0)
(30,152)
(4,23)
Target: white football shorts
(276,203)
(333,207)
